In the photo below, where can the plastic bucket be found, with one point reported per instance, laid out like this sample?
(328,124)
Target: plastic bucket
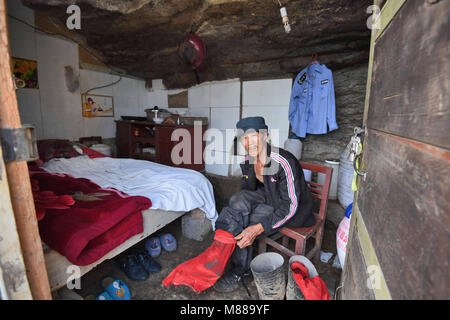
(308,174)
(345,179)
(294,146)
(269,275)
(293,292)
(334,178)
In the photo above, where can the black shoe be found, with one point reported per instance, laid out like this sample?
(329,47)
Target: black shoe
(147,262)
(228,283)
(133,269)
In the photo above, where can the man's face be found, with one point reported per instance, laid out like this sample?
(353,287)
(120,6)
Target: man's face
(253,142)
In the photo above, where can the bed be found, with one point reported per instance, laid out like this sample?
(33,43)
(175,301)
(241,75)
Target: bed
(172,191)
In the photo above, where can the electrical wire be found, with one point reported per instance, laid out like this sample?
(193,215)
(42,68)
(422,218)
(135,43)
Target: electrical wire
(105,86)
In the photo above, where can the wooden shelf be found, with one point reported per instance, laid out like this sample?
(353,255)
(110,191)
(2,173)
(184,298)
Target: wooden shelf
(161,141)
(151,140)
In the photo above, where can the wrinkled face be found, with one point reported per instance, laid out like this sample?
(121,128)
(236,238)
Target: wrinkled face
(254,142)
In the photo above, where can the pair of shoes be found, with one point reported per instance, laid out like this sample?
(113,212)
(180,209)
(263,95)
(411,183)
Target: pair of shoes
(166,241)
(147,262)
(138,267)
(228,283)
(114,289)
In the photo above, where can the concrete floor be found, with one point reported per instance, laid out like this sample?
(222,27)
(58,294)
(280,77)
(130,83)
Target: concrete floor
(187,249)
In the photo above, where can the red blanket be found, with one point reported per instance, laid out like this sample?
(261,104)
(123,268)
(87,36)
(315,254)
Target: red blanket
(98,221)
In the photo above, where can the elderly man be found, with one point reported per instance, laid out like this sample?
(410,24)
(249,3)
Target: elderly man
(273,194)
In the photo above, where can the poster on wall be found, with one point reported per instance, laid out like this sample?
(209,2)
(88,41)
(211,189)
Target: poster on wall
(25,73)
(97,105)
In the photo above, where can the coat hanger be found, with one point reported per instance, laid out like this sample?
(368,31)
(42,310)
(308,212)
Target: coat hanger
(314,57)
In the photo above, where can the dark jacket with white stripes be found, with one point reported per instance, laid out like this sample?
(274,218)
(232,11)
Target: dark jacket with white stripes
(285,188)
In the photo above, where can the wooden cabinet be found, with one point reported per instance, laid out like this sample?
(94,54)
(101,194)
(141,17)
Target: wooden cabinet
(149,141)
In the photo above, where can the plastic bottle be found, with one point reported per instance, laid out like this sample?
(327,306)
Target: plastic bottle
(342,235)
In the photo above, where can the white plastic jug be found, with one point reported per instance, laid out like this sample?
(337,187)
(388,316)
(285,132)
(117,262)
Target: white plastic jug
(342,235)
(342,238)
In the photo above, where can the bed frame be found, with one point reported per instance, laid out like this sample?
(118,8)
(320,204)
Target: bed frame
(57,264)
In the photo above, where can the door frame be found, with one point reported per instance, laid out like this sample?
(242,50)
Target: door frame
(357,227)
(20,197)
(13,279)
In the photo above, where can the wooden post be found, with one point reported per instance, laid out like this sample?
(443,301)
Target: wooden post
(18,178)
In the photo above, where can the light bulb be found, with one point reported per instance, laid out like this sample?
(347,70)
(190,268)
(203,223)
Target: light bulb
(285,19)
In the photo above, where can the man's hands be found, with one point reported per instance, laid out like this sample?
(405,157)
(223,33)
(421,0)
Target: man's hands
(248,235)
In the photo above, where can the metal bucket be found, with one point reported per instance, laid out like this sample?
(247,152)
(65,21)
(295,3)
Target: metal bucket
(293,292)
(269,275)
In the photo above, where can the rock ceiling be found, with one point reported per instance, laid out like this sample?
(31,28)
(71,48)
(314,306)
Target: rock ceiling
(244,38)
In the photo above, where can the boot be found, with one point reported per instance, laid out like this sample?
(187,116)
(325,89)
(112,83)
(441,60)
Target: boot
(240,271)
(203,271)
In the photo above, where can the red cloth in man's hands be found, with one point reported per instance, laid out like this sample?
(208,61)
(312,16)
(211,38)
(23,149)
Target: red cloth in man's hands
(203,271)
(312,288)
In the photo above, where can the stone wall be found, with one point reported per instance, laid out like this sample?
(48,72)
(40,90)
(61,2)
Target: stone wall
(350,93)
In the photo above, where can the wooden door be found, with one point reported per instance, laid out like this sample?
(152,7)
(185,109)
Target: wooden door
(399,244)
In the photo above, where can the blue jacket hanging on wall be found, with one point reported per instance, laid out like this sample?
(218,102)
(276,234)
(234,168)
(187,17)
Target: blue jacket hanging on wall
(312,106)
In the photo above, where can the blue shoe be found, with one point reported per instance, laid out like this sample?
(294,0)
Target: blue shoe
(102,296)
(116,289)
(147,262)
(168,242)
(133,269)
(153,246)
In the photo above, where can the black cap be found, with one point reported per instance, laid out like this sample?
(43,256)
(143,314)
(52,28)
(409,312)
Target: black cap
(251,124)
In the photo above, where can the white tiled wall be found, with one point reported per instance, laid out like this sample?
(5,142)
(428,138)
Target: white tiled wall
(266,98)
(61,109)
(199,96)
(269,99)
(267,92)
(226,94)
(220,101)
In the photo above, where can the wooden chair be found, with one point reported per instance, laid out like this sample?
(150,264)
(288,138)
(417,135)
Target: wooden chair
(300,235)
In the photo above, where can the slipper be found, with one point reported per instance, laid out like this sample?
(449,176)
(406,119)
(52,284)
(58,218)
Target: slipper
(116,289)
(153,246)
(147,262)
(133,269)
(168,242)
(102,296)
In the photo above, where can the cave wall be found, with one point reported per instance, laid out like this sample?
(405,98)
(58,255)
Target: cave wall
(244,38)
(57,112)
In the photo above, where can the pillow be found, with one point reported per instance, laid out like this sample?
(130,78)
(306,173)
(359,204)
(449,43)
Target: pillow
(55,148)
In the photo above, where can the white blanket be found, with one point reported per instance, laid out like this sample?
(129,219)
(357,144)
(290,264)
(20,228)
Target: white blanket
(169,188)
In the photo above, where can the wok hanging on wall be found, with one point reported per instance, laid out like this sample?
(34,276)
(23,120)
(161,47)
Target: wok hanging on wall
(192,51)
